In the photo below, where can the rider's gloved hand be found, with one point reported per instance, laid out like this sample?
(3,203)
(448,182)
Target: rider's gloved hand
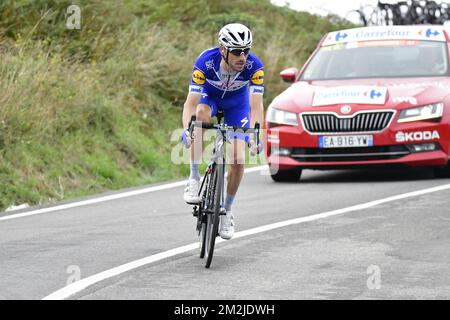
(186,139)
(255,148)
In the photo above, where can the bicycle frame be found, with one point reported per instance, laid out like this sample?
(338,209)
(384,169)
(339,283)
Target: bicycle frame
(218,154)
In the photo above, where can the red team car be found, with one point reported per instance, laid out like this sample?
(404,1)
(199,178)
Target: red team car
(366,97)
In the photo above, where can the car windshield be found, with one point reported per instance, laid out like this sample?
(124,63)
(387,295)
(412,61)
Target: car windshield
(378,59)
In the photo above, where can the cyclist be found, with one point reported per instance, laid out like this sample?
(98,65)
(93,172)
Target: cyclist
(230,78)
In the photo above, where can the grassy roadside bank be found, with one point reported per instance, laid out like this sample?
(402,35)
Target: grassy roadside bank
(89,110)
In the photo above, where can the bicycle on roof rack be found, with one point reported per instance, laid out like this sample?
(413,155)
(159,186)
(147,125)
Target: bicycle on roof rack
(411,12)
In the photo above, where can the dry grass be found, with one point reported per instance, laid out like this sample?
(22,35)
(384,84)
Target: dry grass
(92,110)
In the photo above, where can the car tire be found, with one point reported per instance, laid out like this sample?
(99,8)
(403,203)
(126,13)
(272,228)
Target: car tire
(291,175)
(442,172)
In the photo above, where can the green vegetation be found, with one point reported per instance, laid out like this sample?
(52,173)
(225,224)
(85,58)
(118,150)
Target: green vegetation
(89,110)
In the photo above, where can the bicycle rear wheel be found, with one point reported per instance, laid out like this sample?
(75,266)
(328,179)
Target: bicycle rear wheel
(214,217)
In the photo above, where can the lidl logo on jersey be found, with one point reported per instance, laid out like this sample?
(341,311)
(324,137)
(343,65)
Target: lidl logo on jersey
(349,94)
(198,77)
(258,77)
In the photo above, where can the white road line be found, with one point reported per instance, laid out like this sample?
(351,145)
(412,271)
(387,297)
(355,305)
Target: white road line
(80,285)
(110,197)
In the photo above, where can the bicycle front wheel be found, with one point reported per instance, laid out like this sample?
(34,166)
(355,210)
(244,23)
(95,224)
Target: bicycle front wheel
(204,207)
(214,217)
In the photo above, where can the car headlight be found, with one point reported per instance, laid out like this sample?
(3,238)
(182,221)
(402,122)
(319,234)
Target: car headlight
(431,111)
(281,117)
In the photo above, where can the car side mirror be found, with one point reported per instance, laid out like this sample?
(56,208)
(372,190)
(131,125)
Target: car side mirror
(289,75)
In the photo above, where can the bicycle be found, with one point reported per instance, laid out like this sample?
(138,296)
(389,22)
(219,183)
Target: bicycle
(210,208)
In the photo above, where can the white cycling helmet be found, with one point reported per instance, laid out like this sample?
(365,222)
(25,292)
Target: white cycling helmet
(235,35)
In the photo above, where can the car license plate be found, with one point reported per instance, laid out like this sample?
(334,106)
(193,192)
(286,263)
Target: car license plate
(345,141)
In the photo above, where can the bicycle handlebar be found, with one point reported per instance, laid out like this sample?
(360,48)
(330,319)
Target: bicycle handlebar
(206,125)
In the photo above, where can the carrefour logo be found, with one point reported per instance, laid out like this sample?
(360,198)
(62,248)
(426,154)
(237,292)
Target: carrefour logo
(375,94)
(416,136)
(384,33)
(341,36)
(431,33)
(349,94)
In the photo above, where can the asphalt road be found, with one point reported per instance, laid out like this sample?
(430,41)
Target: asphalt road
(395,250)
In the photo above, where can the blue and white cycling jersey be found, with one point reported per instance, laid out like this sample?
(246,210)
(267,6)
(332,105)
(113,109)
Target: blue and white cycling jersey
(206,76)
(225,92)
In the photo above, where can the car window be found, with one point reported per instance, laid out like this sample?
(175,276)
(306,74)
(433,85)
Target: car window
(378,59)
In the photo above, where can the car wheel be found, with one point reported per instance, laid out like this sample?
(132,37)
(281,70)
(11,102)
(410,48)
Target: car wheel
(442,172)
(291,175)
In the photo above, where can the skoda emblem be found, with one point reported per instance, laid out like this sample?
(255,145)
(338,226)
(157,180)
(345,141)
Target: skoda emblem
(346,109)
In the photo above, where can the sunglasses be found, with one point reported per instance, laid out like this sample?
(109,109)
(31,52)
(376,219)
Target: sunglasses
(238,52)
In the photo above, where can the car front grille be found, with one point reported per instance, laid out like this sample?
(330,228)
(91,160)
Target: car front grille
(349,154)
(362,122)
